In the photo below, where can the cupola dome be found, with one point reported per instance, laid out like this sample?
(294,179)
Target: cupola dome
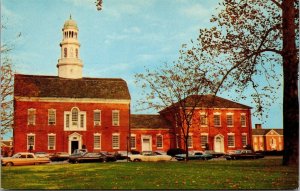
(70,24)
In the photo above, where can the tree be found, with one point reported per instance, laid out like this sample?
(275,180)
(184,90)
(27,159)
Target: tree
(6,91)
(255,39)
(172,91)
(6,96)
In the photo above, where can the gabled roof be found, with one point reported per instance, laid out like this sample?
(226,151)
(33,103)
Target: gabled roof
(148,121)
(209,101)
(54,86)
(266,131)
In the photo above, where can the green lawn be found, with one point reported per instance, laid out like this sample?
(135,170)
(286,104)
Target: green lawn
(247,174)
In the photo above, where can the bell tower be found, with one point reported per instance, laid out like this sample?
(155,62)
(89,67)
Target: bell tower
(69,65)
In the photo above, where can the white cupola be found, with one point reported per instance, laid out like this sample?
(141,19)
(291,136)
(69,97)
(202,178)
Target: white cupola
(69,65)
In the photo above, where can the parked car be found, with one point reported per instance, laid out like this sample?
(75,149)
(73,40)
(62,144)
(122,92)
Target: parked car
(86,157)
(243,154)
(122,155)
(195,156)
(23,158)
(41,154)
(108,157)
(59,156)
(80,151)
(149,156)
(214,154)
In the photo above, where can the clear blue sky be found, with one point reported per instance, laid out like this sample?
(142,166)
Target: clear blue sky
(118,42)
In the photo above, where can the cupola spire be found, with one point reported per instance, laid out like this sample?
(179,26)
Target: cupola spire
(69,65)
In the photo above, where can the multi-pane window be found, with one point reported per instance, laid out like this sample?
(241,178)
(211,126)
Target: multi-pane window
(231,142)
(244,140)
(243,120)
(31,117)
(132,142)
(51,116)
(74,117)
(204,140)
(115,117)
(97,141)
(67,120)
(190,141)
(51,142)
(115,141)
(159,141)
(217,120)
(75,120)
(30,142)
(229,120)
(97,118)
(203,119)
(81,120)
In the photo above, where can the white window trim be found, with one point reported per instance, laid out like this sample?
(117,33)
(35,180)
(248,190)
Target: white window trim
(97,123)
(243,114)
(78,127)
(217,114)
(162,141)
(98,134)
(245,135)
(54,116)
(54,146)
(203,134)
(230,114)
(231,134)
(133,135)
(115,134)
(27,145)
(206,119)
(112,116)
(34,116)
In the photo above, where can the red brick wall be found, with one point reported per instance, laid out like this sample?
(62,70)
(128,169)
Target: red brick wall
(41,129)
(168,138)
(223,130)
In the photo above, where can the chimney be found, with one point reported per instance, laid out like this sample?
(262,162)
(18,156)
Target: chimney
(258,126)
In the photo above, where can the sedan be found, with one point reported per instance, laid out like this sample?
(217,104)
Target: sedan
(149,156)
(87,157)
(23,159)
(59,156)
(195,156)
(243,154)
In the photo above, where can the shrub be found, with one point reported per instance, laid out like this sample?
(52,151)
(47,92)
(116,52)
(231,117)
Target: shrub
(175,151)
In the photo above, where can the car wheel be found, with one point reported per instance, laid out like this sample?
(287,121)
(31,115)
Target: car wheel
(9,164)
(76,162)
(36,163)
(137,160)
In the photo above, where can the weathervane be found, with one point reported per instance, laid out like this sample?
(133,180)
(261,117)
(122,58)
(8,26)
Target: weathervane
(99,5)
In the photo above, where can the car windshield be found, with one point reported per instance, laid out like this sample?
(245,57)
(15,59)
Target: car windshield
(238,152)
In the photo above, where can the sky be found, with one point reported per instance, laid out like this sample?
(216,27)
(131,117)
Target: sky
(116,42)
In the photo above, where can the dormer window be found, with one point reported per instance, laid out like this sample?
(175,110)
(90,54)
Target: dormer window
(75,120)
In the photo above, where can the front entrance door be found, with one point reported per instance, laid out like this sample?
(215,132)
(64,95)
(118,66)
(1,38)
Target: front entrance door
(219,144)
(75,142)
(146,143)
(74,145)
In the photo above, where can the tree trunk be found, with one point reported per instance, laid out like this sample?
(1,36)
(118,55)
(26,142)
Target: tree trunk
(186,149)
(290,97)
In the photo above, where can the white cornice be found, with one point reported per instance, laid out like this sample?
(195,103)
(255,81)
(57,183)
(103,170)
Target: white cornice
(71,100)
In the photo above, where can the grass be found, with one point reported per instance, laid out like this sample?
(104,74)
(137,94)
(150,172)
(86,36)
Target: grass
(247,174)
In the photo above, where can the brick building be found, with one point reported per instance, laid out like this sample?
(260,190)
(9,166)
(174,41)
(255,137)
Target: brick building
(68,111)
(267,139)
